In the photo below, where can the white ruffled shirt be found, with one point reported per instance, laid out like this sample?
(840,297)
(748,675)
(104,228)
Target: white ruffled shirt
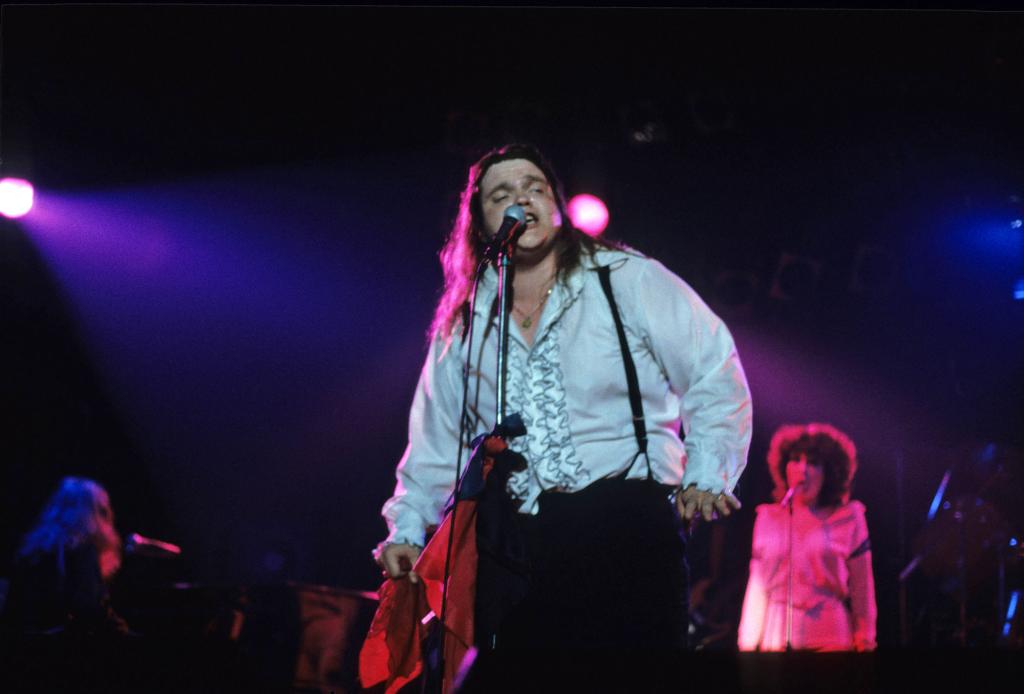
(570,389)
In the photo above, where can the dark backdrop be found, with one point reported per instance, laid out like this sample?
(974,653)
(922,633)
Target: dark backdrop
(218,306)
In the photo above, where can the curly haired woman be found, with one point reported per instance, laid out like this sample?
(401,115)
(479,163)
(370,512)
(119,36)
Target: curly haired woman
(816,528)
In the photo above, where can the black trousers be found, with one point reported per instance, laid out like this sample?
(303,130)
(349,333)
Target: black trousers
(606,569)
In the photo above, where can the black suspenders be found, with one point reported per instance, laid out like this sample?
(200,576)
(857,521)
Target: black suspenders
(636,404)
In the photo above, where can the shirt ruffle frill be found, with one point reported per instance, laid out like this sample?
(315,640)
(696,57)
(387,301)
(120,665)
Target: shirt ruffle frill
(537,391)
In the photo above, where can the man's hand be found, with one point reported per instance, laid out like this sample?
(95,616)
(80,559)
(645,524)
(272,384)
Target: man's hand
(694,503)
(397,560)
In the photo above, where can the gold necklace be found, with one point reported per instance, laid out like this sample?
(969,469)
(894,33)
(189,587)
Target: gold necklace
(528,317)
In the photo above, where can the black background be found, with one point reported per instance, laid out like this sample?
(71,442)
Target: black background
(328,144)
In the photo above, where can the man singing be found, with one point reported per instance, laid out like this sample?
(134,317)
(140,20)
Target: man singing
(609,355)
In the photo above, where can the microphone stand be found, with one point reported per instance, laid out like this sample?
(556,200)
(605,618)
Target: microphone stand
(504,300)
(787,500)
(789,586)
(503,263)
(499,252)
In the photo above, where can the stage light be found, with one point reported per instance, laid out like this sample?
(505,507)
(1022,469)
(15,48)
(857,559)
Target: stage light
(796,278)
(1011,612)
(1018,290)
(1017,223)
(16,197)
(589,214)
(939,493)
(735,291)
(643,123)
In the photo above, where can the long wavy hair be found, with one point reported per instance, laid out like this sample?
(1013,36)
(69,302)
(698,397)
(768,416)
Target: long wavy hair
(824,445)
(77,513)
(463,249)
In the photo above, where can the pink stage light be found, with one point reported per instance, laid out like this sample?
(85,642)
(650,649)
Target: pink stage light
(16,196)
(589,214)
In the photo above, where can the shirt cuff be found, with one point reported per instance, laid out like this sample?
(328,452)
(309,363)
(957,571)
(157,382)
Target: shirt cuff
(407,531)
(708,473)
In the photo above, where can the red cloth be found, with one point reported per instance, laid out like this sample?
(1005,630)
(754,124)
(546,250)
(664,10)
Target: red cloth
(392,653)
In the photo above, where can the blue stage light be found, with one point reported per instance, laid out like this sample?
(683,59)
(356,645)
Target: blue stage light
(1011,612)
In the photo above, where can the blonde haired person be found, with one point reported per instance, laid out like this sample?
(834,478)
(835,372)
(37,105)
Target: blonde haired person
(66,563)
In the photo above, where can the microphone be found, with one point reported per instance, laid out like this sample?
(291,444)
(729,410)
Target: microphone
(786,500)
(148,547)
(512,227)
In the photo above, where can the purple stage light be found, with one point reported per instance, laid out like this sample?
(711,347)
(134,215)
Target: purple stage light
(589,214)
(16,195)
